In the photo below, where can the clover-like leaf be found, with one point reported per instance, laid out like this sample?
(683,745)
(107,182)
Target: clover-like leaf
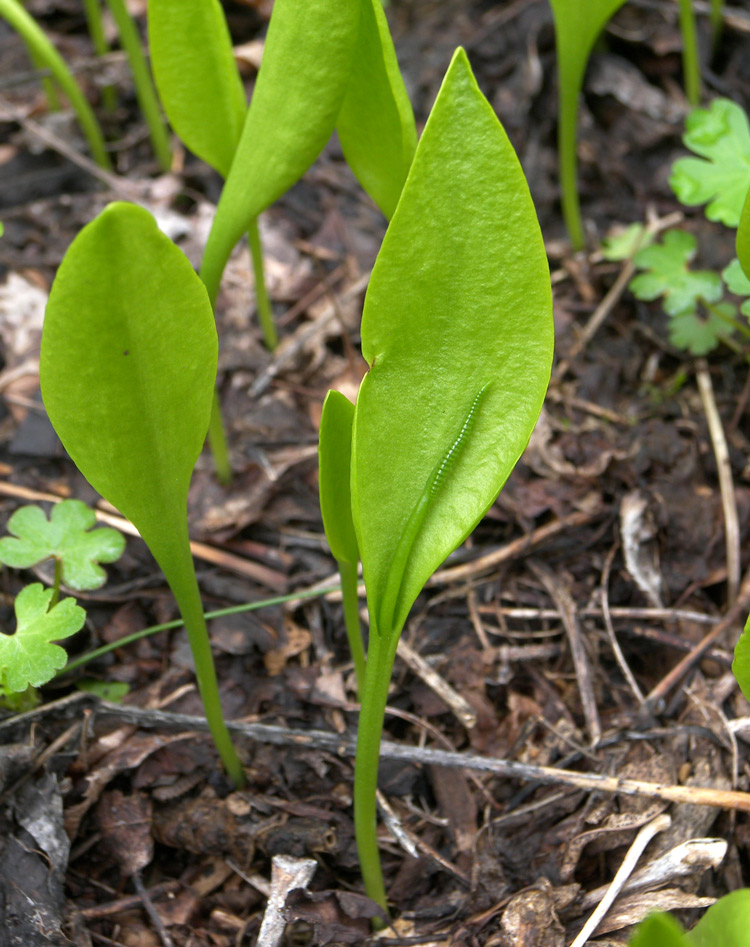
(65,536)
(29,656)
(720,177)
(669,275)
(699,332)
(623,243)
(737,283)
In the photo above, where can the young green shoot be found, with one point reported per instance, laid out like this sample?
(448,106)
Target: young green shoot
(66,537)
(93,11)
(128,368)
(334,478)
(577,26)
(144,87)
(44,53)
(691,67)
(743,237)
(457,330)
(326,62)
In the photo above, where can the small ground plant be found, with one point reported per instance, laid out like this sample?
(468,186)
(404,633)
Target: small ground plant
(29,657)
(725,924)
(129,339)
(457,331)
(705,308)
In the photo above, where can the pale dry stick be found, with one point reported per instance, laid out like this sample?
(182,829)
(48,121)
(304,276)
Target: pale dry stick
(683,861)
(626,869)
(566,606)
(289,349)
(460,707)
(253,570)
(509,769)
(614,643)
(148,906)
(726,484)
(613,295)
(616,611)
(287,873)
(736,613)
(394,826)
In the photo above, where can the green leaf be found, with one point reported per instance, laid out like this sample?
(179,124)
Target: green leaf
(720,177)
(725,923)
(738,283)
(741,663)
(334,459)
(457,330)
(127,366)
(701,332)
(113,691)
(376,122)
(301,84)
(29,656)
(197,78)
(64,536)
(659,930)
(577,26)
(625,242)
(670,277)
(743,237)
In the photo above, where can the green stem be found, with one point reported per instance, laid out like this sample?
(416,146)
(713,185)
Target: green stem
(46,53)
(349,584)
(569,90)
(262,302)
(178,623)
(690,61)
(217,441)
(717,22)
(380,657)
(184,585)
(50,92)
(144,86)
(56,583)
(99,42)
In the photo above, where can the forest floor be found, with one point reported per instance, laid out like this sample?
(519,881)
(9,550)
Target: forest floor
(116,823)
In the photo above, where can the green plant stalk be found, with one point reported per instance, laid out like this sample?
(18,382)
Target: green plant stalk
(690,60)
(262,302)
(179,623)
(184,584)
(144,86)
(56,583)
(96,31)
(349,583)
(571,206)
(53,99)
(45,52)
(217,441)
(717,21)
(380,656)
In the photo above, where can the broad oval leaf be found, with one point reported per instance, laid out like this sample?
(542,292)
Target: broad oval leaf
(743,238)
(725,924)
(128,366)
(457,330)
(197,78)
(297,98)
(659,930)
(376,122)
(334,466)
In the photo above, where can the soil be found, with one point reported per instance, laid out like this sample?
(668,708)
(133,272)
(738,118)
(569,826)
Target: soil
(117,825)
